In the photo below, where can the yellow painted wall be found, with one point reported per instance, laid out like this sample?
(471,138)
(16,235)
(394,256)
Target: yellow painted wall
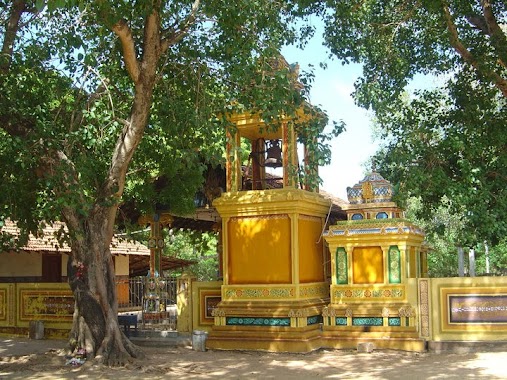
(30,264)
(20,264)
(442,329)
(121,265)
(121,268)
(368,265)
(311,268)
(65,260)
(184,303)
(21,303)
(411,291)
(259,250)
(205,296)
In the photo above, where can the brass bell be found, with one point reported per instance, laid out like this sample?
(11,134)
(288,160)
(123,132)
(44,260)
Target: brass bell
(273,154)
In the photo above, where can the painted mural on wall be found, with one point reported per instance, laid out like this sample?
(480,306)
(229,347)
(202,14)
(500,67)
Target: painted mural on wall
(50,305)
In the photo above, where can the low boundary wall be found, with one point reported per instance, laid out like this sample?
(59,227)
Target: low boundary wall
(463,309)
(206,296)
(21,303)
(457,309)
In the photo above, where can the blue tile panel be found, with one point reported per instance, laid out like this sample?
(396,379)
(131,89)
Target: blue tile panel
(245,321)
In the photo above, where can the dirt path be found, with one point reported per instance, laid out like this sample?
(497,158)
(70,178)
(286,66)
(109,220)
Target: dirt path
(25,359)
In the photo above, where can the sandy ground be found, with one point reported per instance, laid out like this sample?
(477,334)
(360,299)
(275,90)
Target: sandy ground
(45,359)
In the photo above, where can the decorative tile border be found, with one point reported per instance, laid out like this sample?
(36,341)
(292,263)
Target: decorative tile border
(385,226)
(394,265)
(3,304)
(245,292)
(11,305)
(311,218)
(7,304)
(314,291)
(258,217)
(313,320)
(341,321)
(246,321)
(252,198)
(341,266)
(379,293)
(424,307)
(367,321)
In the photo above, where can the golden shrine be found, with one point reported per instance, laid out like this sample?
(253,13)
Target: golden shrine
(287,285)
(376,258)
(274,281)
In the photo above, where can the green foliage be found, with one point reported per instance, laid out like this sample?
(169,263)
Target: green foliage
(444,228)
(196,246)
(66,100)
(443,233)
(445,144)
(106,104)
(394,40)
(316,140)
(451,149)
(497,259)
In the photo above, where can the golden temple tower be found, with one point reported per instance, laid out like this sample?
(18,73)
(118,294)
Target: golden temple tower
(274,280)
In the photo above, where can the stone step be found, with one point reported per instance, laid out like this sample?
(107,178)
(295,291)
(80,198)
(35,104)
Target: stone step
(160,338)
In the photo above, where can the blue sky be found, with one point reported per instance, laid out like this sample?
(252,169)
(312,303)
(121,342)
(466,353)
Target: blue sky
(331,91)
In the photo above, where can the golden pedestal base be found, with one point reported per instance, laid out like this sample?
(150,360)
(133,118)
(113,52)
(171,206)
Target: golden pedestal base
(274,339)
(404,339)
(278,326)
(309,339)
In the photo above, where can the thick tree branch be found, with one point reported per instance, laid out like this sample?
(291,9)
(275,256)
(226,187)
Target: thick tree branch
(151,41)
(479,23)
(173,36)
(467,56)
(139,115)
(11,30)
(498,39)
(122,30)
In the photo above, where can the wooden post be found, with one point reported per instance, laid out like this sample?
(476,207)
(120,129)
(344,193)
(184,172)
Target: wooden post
(285,154)
(228,164)
(154,246)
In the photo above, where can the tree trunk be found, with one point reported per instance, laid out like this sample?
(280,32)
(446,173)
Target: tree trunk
(92,280)
(90,269)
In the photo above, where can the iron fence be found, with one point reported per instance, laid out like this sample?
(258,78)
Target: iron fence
(153,299)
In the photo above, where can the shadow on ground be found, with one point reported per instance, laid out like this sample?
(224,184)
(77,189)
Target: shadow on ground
(182,362)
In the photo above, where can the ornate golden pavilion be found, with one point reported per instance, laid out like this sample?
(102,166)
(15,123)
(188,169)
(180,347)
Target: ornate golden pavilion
(274,278)
(376,258)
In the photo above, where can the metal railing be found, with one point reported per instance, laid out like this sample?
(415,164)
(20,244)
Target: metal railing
(152,299)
